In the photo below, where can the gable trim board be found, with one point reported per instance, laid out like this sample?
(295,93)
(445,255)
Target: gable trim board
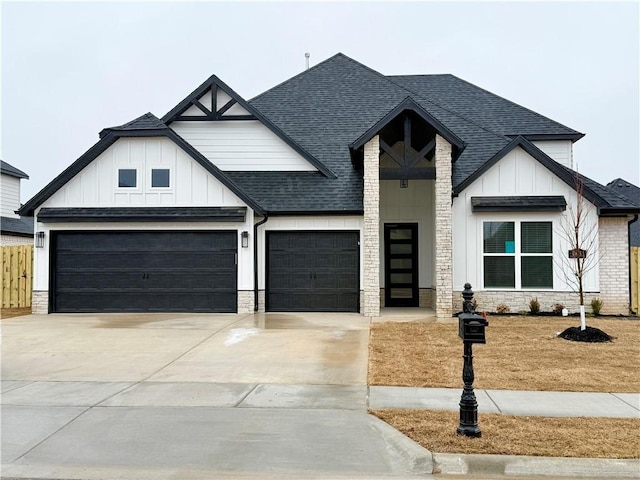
(329,115)
(213,83)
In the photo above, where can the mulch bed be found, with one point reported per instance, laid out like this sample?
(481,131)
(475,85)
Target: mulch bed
(589,334)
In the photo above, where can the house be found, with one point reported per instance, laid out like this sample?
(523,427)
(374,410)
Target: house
(340,189)
(632,193)
(14,230)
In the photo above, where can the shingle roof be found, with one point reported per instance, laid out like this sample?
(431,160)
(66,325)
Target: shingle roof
(631,193)
(329,106)
(147,122)
(17,226)
(8,169)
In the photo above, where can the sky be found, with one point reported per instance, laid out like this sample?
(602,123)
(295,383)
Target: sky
(70,69)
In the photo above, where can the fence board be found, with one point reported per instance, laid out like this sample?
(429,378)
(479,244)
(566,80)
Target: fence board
(635,279)
(17,279)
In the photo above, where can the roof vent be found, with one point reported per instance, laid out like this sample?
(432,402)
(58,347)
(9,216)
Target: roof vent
(306,60)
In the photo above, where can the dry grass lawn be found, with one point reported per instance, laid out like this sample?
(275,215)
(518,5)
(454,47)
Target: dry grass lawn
(509,435)
(521,353)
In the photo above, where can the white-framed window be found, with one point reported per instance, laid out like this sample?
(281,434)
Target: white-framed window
(517,254)
(160,178)
(127,178)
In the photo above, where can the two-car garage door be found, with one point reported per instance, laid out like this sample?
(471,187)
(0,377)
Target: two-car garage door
(144,271)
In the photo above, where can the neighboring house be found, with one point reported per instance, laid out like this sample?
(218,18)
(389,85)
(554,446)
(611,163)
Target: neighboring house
(14,230)
(632,193)
(340,189)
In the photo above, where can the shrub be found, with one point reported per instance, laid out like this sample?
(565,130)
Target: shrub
(534,306)
(524,313)
(596,306)
(557,308)
(503,308)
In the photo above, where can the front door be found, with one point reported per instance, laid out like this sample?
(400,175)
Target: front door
(401,265)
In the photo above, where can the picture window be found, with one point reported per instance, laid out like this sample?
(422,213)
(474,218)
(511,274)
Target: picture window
(127,178)
(160,178)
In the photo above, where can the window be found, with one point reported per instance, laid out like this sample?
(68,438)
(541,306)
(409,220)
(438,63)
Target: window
(160,177)
(127,178)
(517,255)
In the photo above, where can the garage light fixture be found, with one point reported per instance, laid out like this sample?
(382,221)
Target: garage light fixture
(39,239)
(244,237)
(404,183)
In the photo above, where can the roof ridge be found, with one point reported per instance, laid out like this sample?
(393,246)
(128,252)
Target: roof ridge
(503,137)
(297,75)
(516,104)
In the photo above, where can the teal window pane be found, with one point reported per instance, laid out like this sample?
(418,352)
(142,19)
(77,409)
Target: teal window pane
(498,237)
(537,272)
(499,272)
(536,237)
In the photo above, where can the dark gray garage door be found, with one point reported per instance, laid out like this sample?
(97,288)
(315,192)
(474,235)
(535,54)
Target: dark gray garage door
(144,272)
(313,271)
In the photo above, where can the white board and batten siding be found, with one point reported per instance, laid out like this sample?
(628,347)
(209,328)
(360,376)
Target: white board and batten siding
(242,145)
(9,195)
(517,174)
(559,150)
(190,186)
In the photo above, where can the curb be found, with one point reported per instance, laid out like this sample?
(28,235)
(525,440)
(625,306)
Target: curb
(609,468)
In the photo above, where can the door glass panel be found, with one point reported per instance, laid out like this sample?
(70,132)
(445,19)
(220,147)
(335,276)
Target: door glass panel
(400,234)
(401,278)
(400,248)
(401,263)
(401,293)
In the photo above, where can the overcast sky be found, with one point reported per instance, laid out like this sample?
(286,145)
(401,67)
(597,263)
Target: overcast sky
(71,69)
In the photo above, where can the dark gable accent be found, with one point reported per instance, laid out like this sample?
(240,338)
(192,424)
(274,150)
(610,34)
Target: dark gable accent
(145,126)
(519,204)
(143,214)
(213,83)
(408,104)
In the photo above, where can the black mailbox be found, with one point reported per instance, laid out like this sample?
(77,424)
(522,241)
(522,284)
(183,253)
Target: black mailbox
(471,328)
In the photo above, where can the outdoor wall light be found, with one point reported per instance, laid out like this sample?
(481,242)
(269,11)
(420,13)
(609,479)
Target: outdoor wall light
(244,237)
(404,183)
(39,239)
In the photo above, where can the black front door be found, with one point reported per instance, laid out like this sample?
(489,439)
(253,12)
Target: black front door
(401,265)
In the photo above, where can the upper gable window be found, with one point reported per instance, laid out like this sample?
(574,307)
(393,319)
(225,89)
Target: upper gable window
(127,178)
(160,178)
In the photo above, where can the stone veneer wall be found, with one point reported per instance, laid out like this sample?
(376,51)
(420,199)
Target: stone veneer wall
(613,240)
(518,301)
(371,228)
(40,302)
(262,302)
(6,240)
(245,301)
(443,229)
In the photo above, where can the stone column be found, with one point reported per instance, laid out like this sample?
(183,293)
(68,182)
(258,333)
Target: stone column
(371,228)
(443,227)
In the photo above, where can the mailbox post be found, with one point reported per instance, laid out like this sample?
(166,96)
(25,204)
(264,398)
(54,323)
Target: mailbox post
(471,328)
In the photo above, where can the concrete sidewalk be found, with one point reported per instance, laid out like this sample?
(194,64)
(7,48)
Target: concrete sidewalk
(509,402)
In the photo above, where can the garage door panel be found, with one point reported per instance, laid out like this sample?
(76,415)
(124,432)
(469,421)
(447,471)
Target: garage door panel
(313,271)
(145,271)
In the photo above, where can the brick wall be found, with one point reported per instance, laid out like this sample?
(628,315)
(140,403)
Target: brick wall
(245,301)
(40,302)
(443,228)
(371,228)
(613,241)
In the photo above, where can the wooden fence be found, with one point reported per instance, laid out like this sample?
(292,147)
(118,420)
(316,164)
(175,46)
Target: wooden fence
(635,280)
(17,278)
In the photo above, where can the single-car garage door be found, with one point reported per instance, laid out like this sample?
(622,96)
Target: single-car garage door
(313,271)
(144,272)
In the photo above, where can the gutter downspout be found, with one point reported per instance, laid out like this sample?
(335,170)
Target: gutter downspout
(255,260)
(635,219)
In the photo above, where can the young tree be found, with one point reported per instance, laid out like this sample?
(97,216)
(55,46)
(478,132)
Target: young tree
(580,231)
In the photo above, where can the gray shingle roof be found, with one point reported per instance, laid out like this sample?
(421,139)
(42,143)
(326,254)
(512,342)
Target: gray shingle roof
(326,108)
(22,226)
(632,193)
(8,169)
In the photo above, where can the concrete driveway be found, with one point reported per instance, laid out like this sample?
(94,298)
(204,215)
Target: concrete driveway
(194,396)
